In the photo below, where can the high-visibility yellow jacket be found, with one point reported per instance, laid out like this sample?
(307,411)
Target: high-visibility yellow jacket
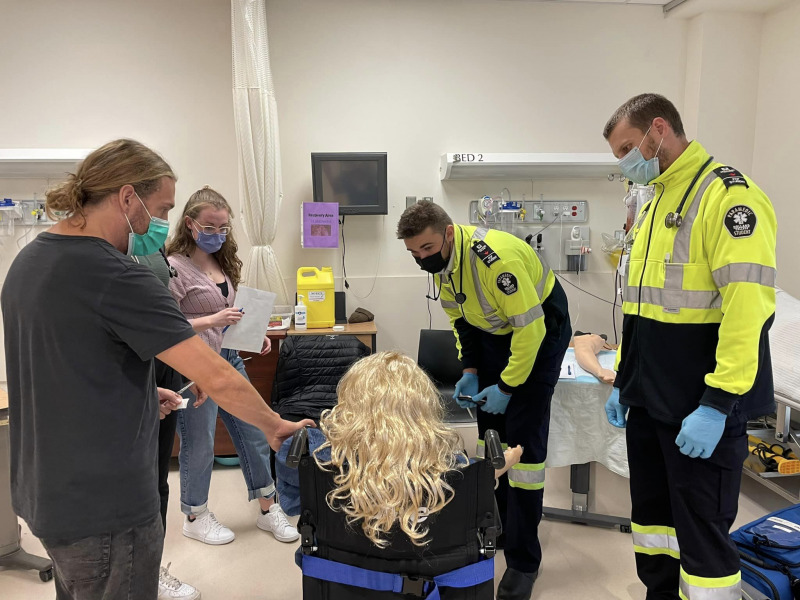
(504,284)
(700,298)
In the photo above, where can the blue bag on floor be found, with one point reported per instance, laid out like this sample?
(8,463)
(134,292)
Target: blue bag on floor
(770,551)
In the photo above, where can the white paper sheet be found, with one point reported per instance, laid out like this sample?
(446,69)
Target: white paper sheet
(567,370)
(248,334)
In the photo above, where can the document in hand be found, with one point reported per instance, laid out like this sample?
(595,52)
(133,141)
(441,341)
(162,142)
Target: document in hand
(248,334)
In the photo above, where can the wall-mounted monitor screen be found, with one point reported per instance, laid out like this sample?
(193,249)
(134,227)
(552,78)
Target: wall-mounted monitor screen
(356,180)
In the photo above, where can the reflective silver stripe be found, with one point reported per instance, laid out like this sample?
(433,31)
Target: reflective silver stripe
(530,476)
(693,592)
(528,317)
(655,540)
(543,280)
(673,277)
(495,322)
(744,273)
(448,304)
(480,233)
(675,299)
(680,249)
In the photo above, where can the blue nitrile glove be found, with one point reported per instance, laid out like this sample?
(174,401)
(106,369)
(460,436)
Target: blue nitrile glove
(496,400)
(615,412)
(700,432)
(466,386)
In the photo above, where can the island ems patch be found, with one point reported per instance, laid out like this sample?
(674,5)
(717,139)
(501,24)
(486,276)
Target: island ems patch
(485,253)
(740,221)
(507,283)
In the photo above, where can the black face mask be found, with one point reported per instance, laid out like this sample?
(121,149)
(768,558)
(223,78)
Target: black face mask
(435,263)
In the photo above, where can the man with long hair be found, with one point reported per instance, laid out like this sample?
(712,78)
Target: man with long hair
(83,323)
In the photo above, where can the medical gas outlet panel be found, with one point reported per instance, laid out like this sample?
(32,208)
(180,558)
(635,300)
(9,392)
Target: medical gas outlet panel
(530,213)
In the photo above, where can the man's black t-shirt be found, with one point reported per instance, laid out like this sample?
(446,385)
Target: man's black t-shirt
(82,325)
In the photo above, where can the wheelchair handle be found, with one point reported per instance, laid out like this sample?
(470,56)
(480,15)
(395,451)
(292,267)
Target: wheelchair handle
(494,450)
(298,449)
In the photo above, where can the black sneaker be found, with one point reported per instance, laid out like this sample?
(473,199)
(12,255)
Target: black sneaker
(516,585)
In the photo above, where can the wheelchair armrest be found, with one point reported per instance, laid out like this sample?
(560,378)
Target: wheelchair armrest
(494,450)
(298,449)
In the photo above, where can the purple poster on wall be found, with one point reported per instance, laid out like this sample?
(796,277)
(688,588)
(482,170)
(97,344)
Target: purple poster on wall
(320,225)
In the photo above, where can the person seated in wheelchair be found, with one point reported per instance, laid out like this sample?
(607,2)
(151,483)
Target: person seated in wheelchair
(388,446)
(383,468)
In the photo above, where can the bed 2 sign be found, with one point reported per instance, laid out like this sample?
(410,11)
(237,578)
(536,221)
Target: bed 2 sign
(467,157)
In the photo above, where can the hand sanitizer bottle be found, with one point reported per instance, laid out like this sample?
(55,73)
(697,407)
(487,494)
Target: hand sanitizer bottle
(300,314)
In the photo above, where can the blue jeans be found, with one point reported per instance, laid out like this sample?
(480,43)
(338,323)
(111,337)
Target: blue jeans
(288,479)
(197,426)
(118,566)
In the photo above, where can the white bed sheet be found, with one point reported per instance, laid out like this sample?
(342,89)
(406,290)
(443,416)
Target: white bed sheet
(784,341)
(579,429)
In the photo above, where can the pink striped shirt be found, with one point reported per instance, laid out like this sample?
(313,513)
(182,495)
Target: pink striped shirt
(198,296)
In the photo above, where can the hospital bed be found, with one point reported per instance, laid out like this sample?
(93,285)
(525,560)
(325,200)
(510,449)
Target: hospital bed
(785,350)
(580,434)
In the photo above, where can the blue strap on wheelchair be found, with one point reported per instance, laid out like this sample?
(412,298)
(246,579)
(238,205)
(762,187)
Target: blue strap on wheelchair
(464,577)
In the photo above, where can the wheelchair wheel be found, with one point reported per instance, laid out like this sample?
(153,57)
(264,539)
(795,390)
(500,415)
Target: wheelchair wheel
(46,575)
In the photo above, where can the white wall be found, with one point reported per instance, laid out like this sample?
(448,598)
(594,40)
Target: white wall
(413,78)
(777,132)
(417,79)
(722,84)
(78,74)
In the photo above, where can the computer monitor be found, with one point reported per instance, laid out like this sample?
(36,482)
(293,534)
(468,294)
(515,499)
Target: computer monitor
(356,180)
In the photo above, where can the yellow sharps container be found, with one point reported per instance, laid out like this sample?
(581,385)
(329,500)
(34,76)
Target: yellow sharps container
(317,287)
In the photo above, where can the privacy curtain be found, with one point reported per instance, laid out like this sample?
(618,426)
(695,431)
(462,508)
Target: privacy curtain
(256,117)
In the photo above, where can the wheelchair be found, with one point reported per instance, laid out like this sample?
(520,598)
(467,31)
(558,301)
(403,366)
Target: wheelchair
(340,563)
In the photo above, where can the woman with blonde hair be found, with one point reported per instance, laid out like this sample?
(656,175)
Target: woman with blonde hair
(203,252)
(388,447)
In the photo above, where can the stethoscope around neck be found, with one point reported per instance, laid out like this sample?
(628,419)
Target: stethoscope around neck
(674,219)
(460,297)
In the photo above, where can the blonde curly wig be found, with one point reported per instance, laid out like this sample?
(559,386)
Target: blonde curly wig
(389,448)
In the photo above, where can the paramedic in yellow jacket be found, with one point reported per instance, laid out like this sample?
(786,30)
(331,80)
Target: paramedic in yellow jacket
(509,314)
(694,364)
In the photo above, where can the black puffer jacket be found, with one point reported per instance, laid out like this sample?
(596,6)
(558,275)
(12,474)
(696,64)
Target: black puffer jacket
(309,369)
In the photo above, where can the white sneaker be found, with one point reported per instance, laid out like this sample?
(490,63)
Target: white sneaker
(171,588)
(277,524)
(207,529)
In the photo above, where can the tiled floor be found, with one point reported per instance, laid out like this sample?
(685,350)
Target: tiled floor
(579,562)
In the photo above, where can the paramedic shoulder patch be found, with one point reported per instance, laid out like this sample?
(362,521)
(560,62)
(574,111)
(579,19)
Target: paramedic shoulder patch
(730,176)
(740,221)
(485,253)
(507,283)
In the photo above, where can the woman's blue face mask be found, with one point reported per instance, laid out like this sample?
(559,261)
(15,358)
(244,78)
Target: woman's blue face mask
(209,242)
(636,168)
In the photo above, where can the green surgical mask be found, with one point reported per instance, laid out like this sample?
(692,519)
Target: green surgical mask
(149,242)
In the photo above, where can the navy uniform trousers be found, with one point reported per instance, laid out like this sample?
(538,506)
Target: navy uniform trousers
(682,510)
(526,422)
